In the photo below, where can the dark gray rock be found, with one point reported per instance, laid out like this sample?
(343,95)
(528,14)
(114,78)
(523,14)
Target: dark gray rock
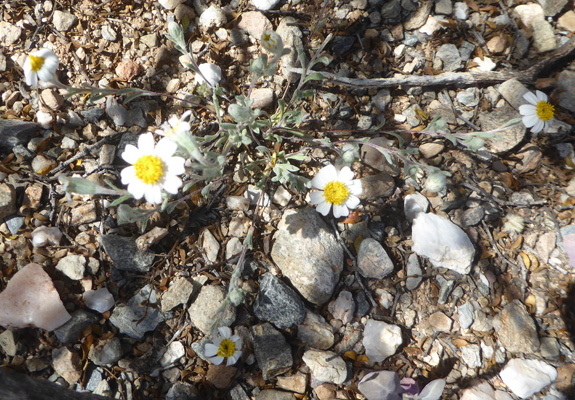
(14,132)
(93,115)
(139,315)
(69,332)
(413,268)
(278,303)
(272,352)
(445,289)
(125,254)
(473,216)
(362,306)
(238,393)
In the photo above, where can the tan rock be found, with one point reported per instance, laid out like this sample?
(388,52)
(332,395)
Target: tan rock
(567,21)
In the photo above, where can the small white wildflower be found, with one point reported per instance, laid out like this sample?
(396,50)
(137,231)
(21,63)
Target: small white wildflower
(41,64)
(538,114)
(272,42)
(212,73)
(153,168)
(337,188)
(513,223)
(225,346)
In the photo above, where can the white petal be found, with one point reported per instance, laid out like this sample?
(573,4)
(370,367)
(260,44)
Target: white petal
(531,98)
(355,187)
(166,148)
(352,202)
(541,96)
(530,120)
(128,175)
(225,331)
(32,79)
(527,109)
(324,176)
(146,143)
(340,211)
(233,359)
(210,350)
(316,198)
(131,154)
(172,184)
(323,208)
(216,360)
(137,189)
(153,194)
(538,127)
(237,341)
(175,165)
(345,175)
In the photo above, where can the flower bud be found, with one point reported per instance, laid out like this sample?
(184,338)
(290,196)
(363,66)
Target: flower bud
(272,42)
(435,182)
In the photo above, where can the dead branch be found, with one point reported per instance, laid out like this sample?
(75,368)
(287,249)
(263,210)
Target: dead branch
(461,79)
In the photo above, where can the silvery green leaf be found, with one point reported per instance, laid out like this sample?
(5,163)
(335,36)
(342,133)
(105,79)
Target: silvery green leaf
(129,215)
(228,127)
(240,113)
(84,186)
(325,60)
(121,200)
(451,138)
(316,76)
(474,143)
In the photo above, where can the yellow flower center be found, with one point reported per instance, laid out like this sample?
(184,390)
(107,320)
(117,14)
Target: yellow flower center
(149,169)
(335,193)
(227,348)
(545,111)
(36,62)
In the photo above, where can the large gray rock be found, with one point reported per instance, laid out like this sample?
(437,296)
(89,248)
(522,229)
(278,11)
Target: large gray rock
(515,329)
(308,254)
(125,253)
(14,132)
(566,90)
(272,352)
(278,303)
(506,139)
(205,310)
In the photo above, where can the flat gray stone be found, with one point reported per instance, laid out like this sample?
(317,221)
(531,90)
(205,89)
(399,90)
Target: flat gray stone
(139,315)
(278,303)
(308,254)
(413,268)
(14,132)
(315,332)
(271,350)
(125,253)
(372,260)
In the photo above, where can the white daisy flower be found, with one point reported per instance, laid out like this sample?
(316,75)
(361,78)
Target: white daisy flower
(337,188)
(41,64)
(176,127)
(211,72)
(225,346)
(538,114)
(153,168)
